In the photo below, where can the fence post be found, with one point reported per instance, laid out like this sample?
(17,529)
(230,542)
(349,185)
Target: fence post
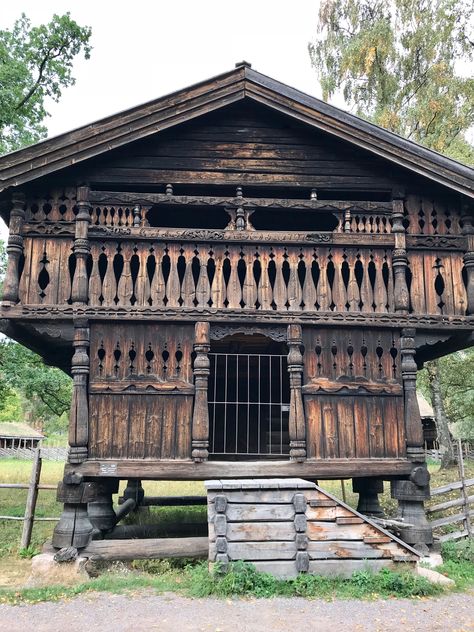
(464,492)
(31,501)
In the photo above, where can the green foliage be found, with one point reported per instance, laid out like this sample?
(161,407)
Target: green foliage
(456,373)
(35,64)
(44,392)
(458,551)
(28,552)
(396,63)
(242,579)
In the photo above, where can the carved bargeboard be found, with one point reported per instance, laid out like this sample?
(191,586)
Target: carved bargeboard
(353,393)
(141,391)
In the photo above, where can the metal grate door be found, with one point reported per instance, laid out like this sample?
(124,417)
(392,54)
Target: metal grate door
(249,397)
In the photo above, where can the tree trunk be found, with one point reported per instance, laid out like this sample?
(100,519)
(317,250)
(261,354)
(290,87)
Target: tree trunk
(441,420)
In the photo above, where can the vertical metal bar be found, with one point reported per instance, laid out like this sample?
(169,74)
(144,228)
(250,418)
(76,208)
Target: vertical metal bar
(280,377)
(270,401)
(214,399)
(224,450)
(248,404)
(258,404)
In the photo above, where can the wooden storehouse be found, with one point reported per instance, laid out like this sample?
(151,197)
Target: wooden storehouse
(243,281)
(19,435)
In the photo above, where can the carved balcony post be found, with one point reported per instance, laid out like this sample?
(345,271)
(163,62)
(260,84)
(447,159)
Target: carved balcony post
(413,426)
(399,259)
(79,416)
(200,428)
(297,423)
(14,249)
(468,230)
(80,283)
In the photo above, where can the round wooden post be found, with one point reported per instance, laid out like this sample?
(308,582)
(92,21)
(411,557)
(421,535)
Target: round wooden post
(413,425)
(200,428)
(80,283)
(297,422)
(14,249)
(79,415)
(400,259)
(468,230)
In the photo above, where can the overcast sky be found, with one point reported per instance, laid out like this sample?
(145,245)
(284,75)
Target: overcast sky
(145,49)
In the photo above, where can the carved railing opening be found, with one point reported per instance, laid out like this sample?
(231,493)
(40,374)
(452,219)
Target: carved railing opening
(233,276)
(271,219)
(187,217)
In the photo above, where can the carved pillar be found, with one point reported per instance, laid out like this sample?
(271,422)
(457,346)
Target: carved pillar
(297,422)
(74,527)
(80,283)
(200,429)
(468,230)
(368,490)
(399,259)
(413,425)
(79,415)
(100,509)
(14,249)
(412,493)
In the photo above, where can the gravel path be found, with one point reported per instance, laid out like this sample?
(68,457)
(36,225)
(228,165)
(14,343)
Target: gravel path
(172,613)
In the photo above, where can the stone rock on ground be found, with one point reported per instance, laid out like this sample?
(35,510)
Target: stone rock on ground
(434,577)
(46,572)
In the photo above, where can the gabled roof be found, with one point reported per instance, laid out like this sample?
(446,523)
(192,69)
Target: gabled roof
(50,155)
(17,430)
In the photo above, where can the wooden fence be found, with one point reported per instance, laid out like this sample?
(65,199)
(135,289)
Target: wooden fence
(464,503)
(33,487)
(48,453)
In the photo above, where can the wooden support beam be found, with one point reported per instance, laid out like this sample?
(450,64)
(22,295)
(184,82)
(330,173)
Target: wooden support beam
(172,469)
(200,427)
(413,426)
(297,421)
(400,259)
(79,415)
(152,548)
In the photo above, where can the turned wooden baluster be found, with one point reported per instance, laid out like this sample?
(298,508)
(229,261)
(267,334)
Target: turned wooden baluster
(234,290)
(95,283)
(294,286)
(399,259)
(297,422)
(79,415)
(203,289)
(353,292)
(264,287)
(188,288)
(218,290)
(109,284)
(80,283)
(279,289)
(323,293)
(200,426)
(173,287)
(468,230)
(14,249)
(309,291)
(249,293)
(157,282)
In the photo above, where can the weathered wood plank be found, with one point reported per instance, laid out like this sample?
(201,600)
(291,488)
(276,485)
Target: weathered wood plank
(149,548)
(261,531)
(237,512)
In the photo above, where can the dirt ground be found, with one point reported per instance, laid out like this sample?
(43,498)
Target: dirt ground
(172,613)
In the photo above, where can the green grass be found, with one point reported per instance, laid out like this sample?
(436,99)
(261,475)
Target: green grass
(241,581)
